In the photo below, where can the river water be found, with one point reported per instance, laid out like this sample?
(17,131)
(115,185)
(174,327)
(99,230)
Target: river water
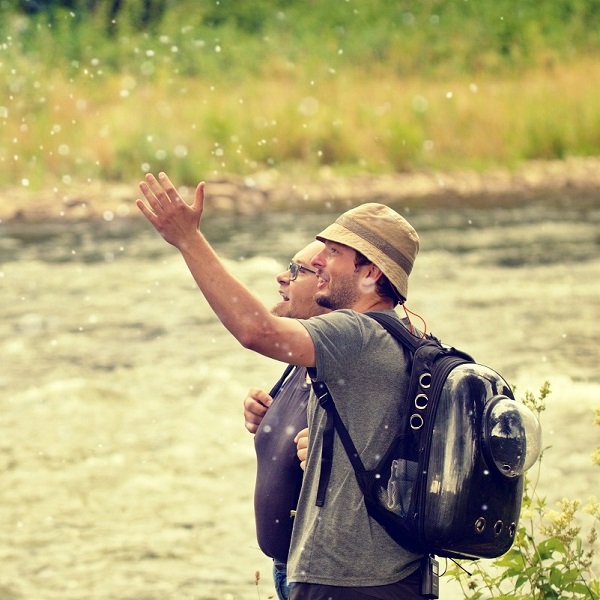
(125,469)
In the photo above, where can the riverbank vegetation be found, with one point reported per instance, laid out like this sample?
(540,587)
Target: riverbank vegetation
(95,90)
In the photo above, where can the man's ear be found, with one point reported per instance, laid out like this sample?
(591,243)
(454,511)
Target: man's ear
(370,276)
(373,273)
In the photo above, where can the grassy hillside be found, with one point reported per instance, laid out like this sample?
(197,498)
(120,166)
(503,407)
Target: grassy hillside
(236,86)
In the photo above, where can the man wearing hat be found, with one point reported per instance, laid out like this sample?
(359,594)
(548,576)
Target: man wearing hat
(338,551)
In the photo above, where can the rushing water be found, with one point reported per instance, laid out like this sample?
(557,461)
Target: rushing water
(125,469)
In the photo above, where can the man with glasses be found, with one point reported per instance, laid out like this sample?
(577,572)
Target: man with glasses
(337,552)
(276,418)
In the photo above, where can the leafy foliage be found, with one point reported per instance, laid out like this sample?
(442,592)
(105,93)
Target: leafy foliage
(104,89)
(414,37)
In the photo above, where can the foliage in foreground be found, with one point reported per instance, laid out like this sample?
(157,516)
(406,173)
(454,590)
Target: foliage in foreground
(551,557)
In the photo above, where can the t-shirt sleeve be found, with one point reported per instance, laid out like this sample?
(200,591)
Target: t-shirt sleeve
(339,338)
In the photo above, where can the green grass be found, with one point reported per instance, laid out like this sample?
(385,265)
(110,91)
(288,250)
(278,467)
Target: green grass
(239,87)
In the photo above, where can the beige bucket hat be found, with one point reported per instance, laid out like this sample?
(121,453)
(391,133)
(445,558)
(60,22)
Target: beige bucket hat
(387,239)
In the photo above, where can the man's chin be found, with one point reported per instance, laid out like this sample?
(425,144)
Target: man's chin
(323,301)
(281,309)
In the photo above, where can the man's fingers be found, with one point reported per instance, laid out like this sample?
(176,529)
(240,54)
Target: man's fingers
(251,427)
(256,404)
(199,198)
(253,414)
(254,410)
(302,438)
(302,453)
(148,189)
(258,396)
(157,189)
(160,193)
(301,441)
(168,188)
(145,210)
(251,422)
(252,406)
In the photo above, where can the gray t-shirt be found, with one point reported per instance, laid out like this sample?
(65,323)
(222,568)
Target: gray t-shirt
(366,373)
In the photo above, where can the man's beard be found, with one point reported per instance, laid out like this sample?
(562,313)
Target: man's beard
(344,294)
(304,310)
(282,309)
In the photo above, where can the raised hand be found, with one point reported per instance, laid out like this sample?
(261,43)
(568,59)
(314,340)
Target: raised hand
(170,215)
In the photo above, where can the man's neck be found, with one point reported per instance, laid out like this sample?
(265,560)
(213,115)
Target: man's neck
(367,304)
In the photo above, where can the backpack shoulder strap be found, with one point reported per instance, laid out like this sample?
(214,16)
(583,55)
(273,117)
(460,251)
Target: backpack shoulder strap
(333,423)
(394,326)
(404,337)
(275,389)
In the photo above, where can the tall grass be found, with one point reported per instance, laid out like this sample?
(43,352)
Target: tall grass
(209,92)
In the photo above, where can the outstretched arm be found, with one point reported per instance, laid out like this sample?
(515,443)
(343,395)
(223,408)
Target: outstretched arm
(237,308)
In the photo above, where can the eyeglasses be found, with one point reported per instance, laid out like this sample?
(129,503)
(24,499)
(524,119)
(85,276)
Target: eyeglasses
(295,268)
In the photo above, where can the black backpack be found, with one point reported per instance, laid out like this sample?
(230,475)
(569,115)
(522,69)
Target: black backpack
(451,484)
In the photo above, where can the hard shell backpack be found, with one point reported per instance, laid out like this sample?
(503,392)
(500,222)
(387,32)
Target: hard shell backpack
(451,483)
